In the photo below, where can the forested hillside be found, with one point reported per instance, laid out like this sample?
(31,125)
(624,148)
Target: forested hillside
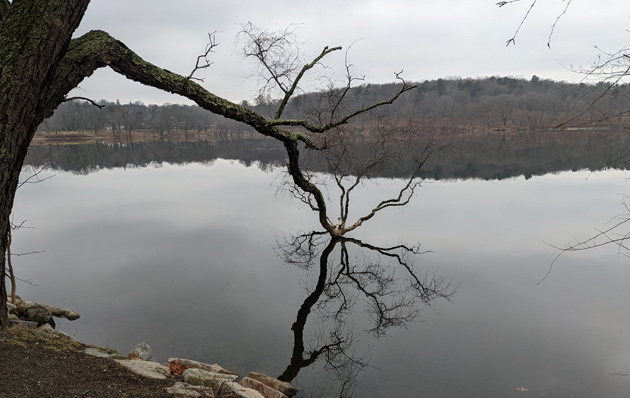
(498,103)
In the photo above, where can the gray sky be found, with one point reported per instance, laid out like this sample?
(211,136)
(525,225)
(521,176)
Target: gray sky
(428,39)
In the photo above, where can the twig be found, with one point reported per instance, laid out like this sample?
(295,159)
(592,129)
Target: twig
(513,39)
(553,27)
(67,99)
(202,60)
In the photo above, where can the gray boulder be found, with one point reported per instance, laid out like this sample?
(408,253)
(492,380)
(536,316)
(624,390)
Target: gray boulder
(200,377)
(60,313)
(100,352)
(44,313)
(234,390)
(180,389)
(282,386)
(145,368)
(142,351)
(200,365)
(39,314)
(263,389)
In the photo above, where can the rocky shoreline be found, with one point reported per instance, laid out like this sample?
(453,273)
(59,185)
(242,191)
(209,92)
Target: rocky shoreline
(199,379)
(190,378)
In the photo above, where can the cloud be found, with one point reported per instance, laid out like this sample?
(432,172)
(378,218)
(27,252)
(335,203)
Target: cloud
(428,39)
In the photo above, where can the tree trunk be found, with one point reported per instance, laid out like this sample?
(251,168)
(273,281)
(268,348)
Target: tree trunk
(34,35)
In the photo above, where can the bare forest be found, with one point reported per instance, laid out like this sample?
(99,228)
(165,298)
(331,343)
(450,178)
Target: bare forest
(454,105)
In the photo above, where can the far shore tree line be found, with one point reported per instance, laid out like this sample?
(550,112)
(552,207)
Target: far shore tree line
(454,104)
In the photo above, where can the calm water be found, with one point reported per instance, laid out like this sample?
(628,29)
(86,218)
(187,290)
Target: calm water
(182,257)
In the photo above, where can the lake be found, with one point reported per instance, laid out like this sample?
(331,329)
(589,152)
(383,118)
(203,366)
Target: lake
(185,257)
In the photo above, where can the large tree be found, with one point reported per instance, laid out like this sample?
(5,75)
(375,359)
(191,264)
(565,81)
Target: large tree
(40,63)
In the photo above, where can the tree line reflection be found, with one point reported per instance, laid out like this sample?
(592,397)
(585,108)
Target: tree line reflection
(489,156)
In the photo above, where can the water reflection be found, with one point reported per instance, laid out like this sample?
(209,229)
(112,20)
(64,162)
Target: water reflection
(151,254)
(351,272)
(487,156)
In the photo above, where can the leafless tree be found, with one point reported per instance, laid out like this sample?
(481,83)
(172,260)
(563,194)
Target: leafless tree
(278,60)
(41,62)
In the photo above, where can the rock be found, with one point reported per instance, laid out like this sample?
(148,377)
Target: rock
(28,304)
(263,389)
(99,352)
(25,324)
(20,305)
(142,351)
(282,386)
(39,314)
(180,389)
(200,365)
(13,317)
(145,368)
(234,390)
(11,308)
(45,328)
(200,377)
(50,332)
(59,313)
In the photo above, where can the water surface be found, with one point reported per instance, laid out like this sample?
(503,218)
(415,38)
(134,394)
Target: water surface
(182,257)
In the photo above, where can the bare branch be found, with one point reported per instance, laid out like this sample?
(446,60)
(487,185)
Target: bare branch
(277,54)
(502,3)
(289,93)
(28,253)
(321,129)
(553,27)
(349,81)
(531,7)
(25,281)
(611,71)
(513,39)
(202,60)
(35,176)
(96,104)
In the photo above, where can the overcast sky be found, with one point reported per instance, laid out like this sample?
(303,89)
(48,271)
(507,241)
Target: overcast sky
(428,39)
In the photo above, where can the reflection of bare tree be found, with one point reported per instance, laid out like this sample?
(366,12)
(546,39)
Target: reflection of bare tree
(352,160)
(361,272)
